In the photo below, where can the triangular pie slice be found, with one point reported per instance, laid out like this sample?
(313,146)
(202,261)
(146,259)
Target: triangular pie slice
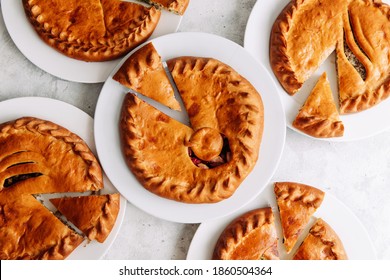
(297,203)
(363,59)
(322,243)
(144,73)
(38,156)
(30,231)
(318,117)
(251,236)
(94,215)
(176,6)
(92,30)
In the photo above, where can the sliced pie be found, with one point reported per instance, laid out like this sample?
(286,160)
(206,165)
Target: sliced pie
(307,32)
(296,203)
(218,101)
(29,231)
(38,156)
(176,6)
(318,117)
(144,73)
(92,30)
(322,243)
(94,215)
(251,236)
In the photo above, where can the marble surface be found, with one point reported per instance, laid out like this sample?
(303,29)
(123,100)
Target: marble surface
(355,172)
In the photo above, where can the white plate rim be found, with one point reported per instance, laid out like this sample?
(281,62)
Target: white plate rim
(53,62)
(81,124)
(358,126)
(345,223)
(193,44)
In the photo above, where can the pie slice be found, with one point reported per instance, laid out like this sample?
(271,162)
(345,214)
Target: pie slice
(251,236)
(29,231)
(318,117)
(363,59)
(322,243)
(144,73)
(92,30)
(296,203)
(38,156)
(166,156)
(94,215)
(176,6)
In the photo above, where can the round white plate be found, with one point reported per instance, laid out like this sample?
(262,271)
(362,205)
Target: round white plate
(57,64)
(81,124)
(357,126)
(354,236)
(109,146)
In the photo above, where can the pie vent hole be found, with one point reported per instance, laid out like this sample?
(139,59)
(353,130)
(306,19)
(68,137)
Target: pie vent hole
(9,182)
(224,157)
(20,163)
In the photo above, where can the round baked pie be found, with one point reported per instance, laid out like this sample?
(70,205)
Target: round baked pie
(92,30)
(251,236)
(41,157)
(307,31)
(204,163)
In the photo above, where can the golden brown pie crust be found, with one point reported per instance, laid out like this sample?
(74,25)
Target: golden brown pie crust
(38,156)
(176,6)
(318,117)
(94,215)
(30,145)
(251,236)
(144,73)
(92,30)
(296,203)
(307,31)
(156,146)
(322,243)
(29,231)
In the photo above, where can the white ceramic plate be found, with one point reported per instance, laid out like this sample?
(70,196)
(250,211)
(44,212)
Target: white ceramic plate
(109,147)
(57,64)
(354,236)
(81,124)
(357,126)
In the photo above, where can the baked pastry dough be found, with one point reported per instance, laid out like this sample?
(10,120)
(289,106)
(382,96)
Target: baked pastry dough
(318,117)
(307,31)
(251,236)
(38,156)
(144,73)
(322,243)
(94,215)
(296,203)
(29,231)
(176,6)
(156,147)
(92,30)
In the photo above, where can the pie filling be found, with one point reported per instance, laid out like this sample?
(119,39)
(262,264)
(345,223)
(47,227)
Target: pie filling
(223,157)
(9,182)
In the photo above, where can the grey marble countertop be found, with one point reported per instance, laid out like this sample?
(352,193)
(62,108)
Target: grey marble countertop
(356,172)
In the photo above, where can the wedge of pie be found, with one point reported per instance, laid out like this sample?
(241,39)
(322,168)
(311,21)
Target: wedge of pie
(94,215)
(220,104)
(307,32)
(297,203)
(144,73)
(29,231)
(176,6)
(251,236)
(92,30)
(322,243)
(318,117)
